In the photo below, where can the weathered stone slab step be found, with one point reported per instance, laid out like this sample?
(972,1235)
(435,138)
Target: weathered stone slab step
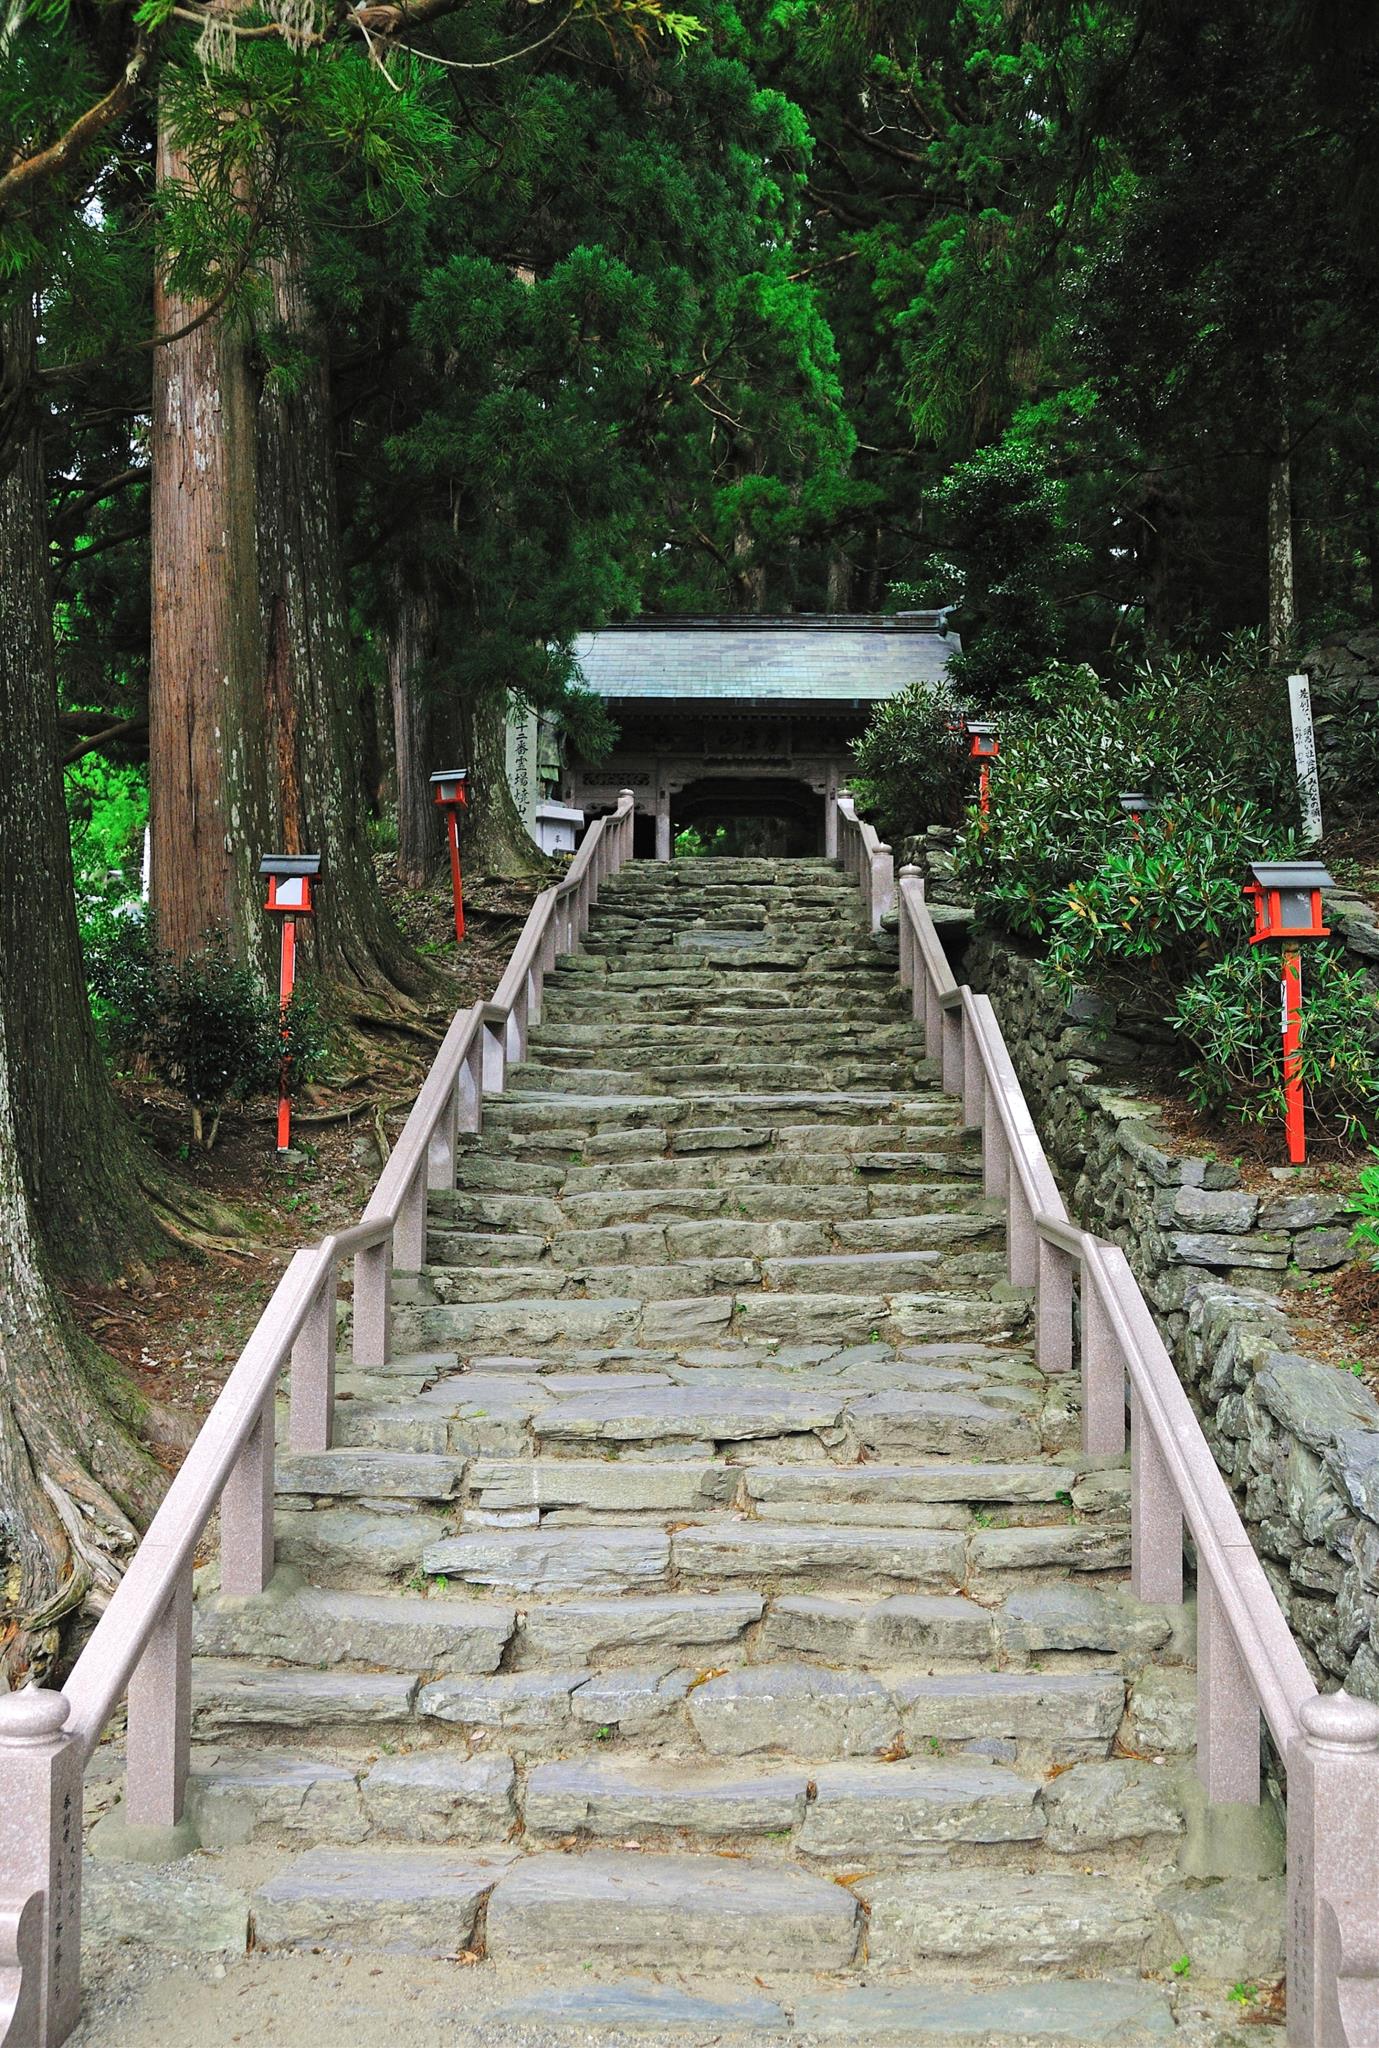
(1011,1921)
(736,1109)
(318,1626)
(670,1276)
(670,1912)
(228,1694)
(506,1173)
(894,1071)
(562,1043)
(827,1205)
(723,1237)
(685,1627)
(1123,2013)
(422,1902)
(844,1318)
(378,1475)
(606,1797)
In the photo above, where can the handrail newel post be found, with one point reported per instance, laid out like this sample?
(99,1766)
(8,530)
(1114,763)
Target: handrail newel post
(41,1769)
(909,977)
(1333,1825)
(951,1026)
(996,1173)
(1103,1378)
(515,1032)
(373,1280)
(973,1088)
(1022,1245)
(158,1743)
(1156,1518)
(1227,1710)
(311,1411)
(246,1510)
(469,1093)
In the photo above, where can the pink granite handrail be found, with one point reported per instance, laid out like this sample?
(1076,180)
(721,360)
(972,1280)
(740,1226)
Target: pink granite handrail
(1248,1664)
(142,1643)
(867,859)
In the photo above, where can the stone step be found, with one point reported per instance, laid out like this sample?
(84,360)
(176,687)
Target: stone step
(526,1216)
(761,1171)
(419,1902)
(533,1322)
(718,1237)
(580,1139)
(325,1627)
(1106,2013)
(670,1912)
(1013,1922)
(716,1109)
(839,1073)
(674,1276)
(562,1043)
(347,1474)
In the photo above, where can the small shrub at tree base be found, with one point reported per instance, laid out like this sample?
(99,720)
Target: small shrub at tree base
(1230,1016)
(215,1032)
(122,977)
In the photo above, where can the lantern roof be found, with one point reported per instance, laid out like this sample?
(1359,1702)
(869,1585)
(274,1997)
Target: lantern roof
(979,727)
(1291,874)
(284,865)
(451,775)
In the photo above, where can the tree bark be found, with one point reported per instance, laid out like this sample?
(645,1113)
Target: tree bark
(1282,621)
(83,1171)
(208,793)
(420,841)
(310,695)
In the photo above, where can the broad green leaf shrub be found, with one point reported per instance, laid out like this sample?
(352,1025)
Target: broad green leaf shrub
(1231,1017)
(1364,1207)
(1208,740)
(206,1024)
(1162,899)
(912,771)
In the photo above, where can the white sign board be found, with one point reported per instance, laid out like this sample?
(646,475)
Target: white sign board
(1305,754)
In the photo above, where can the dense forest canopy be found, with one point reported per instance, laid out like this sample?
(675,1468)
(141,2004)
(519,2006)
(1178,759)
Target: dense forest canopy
(354,360)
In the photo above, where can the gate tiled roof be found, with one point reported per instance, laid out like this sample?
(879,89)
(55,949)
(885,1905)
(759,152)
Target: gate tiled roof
(810,659)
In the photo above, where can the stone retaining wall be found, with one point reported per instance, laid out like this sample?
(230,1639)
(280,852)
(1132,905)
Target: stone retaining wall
(1298,1439)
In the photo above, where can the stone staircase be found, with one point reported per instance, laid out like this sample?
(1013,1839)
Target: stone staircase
(707,1621)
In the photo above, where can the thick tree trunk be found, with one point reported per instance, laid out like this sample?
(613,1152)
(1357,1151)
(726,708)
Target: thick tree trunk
(73,1481)
(311,699)
(81,1166)
(495,841)
(420,840)
(1280,545)
(208,792)
(72,1477)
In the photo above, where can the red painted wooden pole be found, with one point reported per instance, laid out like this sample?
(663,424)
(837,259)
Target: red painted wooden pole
(287,975)
(1291,991)
(984,787)
(452,820)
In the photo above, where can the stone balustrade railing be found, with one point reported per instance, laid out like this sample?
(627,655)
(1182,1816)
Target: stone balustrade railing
(1248,1665)
(141,1646)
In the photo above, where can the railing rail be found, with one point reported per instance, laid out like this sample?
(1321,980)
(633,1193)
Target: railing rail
(1248,1664)
(142,1643)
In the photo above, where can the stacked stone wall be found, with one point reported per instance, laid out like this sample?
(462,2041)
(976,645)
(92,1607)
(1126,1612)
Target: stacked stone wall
(1298,1439)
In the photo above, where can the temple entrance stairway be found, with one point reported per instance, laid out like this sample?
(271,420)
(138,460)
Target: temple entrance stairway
(707,1621)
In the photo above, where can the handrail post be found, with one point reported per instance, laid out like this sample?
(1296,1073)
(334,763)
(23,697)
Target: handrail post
(1333,1824)
(373,1279)
(158,1743)
(311,1411)
(441,1146)
(515,1031)
(40,1839)
(494,1057)
(1053,1306)
(1103,1378)
(246,1511)
(973,1081)
(997,1176)
(910,976)
(951,1027)
(1227,1710)
(409,1231)
(1156,1519)
(469,1093)
(882,891)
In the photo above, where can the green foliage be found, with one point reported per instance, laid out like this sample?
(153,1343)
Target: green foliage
(692,844)
(1364,1206)
(1004,518)
(912,769)
(206,1024)
(1206,739)
(107,810)
(1230,1016)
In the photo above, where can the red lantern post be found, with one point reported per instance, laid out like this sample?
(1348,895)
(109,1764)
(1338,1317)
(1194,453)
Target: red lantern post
(290,876)
(985,747)
(1287,900)
(452,796)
